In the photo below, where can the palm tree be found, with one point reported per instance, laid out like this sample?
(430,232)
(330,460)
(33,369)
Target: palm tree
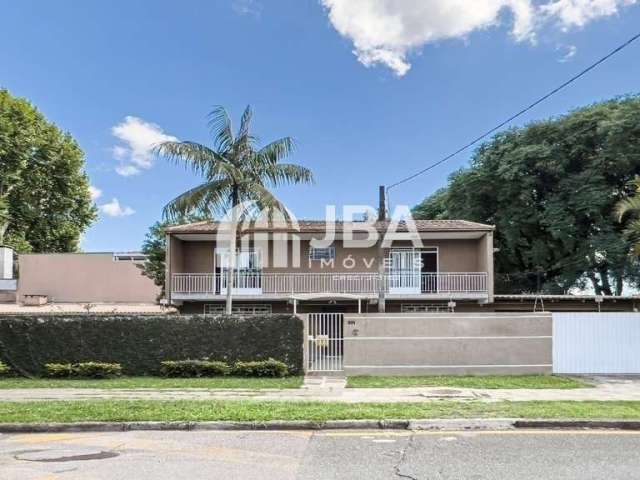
(630,207)
(235,172)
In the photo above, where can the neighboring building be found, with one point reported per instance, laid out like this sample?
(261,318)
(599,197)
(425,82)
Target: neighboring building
(85,278)
(454,264)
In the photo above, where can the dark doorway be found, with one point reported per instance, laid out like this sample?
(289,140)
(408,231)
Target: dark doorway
(429,271)
(334,308)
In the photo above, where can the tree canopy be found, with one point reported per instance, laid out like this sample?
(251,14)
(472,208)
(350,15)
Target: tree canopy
(551,189)
(45,203)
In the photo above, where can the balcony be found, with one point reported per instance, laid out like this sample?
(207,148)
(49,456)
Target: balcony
(208,286)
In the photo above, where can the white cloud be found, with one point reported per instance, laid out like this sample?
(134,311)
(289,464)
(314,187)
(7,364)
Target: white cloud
(127,170)
(570,51)
(137,139)
(95,192)
(247,7)
(114,209)
(385,32)
(577,13)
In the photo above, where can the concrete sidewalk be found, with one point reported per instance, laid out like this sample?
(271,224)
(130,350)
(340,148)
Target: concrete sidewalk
(333,390)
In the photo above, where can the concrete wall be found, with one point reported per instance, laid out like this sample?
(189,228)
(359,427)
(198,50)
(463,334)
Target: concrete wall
(447,344)
(84,277)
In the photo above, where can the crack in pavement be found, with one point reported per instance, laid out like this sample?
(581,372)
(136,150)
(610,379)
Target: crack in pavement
(403,456)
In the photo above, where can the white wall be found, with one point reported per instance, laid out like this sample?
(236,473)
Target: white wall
(6,263)
(597,343)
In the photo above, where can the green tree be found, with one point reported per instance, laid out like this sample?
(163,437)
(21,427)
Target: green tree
(551,189)
(45,203)
(236,173)
(155,248)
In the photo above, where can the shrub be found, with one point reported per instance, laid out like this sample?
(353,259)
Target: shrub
(261,368)
(140,342)
(97,370)
(4,369)
(83,370)
(193,368)
(58,370)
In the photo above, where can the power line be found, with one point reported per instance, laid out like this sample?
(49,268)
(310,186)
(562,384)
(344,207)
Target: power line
(520,113)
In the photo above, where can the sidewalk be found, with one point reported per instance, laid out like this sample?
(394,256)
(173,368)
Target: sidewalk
(333,390)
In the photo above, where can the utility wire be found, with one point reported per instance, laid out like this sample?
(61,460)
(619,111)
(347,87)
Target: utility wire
(520,113)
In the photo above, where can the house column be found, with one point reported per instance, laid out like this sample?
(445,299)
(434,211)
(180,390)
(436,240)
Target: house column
(381,285)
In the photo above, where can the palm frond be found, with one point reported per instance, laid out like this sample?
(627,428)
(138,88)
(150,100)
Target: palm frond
(205,200)
(195,156)
(245,122)
(276,150)
(287,174)
(627,206)
(221,129)
(265,201)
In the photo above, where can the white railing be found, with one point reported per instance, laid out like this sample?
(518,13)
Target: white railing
(346,283)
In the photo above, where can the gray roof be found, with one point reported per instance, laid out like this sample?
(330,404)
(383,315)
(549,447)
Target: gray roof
(315,226)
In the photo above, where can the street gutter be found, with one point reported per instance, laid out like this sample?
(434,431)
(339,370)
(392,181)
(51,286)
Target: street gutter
(411,425)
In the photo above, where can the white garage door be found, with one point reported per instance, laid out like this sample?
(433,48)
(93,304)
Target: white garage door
(605,343)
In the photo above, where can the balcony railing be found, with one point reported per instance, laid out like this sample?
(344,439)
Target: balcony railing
(194,284)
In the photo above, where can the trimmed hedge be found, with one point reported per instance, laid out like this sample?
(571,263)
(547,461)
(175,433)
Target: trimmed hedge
(141,342)
(262,368)
(194,368)
(83,370)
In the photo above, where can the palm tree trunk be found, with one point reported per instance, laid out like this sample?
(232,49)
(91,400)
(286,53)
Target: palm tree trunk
(232,251)
(606,284)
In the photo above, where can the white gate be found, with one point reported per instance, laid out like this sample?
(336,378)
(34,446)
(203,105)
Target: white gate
(598,343)
(325,342)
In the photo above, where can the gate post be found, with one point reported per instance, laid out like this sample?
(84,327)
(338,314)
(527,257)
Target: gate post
(305,342)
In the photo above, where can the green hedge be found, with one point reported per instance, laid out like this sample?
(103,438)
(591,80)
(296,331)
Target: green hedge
(83,370)
(194,368)
(140,343)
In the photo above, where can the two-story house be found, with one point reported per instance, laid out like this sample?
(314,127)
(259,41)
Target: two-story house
(314,266)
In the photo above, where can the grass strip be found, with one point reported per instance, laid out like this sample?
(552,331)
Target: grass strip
(186,410)
(154,382)
(485,381)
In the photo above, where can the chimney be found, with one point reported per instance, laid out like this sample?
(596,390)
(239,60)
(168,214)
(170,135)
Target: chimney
(382,207)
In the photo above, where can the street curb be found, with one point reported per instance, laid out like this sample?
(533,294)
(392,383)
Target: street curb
(410,425)
(579,424)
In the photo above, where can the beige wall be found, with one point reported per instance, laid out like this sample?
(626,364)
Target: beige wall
(454,256)
(84,277)
(441,344)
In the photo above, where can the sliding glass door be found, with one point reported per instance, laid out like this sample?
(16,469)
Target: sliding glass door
(247,275)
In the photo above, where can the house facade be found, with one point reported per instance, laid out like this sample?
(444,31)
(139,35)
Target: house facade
(315,266)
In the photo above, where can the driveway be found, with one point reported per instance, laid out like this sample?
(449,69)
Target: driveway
(322,455)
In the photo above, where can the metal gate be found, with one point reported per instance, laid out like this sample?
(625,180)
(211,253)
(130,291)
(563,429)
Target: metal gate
(325,342)
(597,343)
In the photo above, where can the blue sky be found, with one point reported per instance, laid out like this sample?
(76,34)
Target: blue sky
(372,90)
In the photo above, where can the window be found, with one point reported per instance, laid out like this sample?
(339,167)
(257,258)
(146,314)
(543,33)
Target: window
(424,307)
(328,253)
(129,257)
(249,309)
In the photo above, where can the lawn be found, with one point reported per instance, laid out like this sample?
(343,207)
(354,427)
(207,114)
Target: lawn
(186,410)
(486,381)
(154,382)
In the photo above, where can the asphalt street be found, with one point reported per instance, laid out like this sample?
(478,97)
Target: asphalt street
(350,455)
